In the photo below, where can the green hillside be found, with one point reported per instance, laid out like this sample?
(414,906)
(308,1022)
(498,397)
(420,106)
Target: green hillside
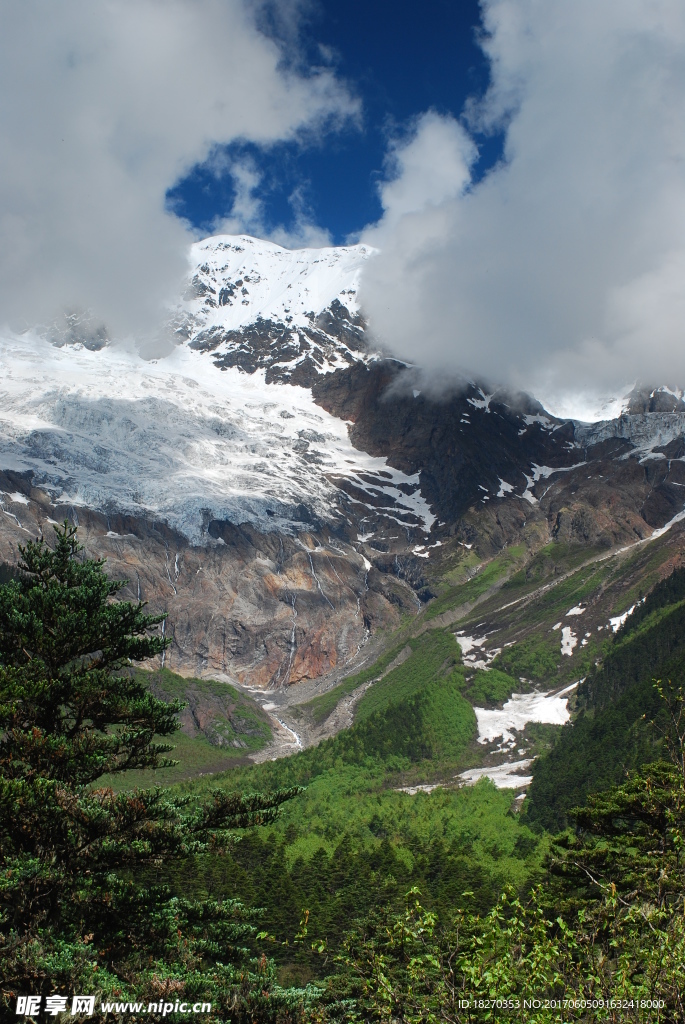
(218,728)
(363,865)
(620,718)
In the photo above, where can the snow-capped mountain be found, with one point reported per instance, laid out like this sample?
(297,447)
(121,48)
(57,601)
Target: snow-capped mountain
(293,313)
(237,280)
(222,491)
(281,487)
(176,439)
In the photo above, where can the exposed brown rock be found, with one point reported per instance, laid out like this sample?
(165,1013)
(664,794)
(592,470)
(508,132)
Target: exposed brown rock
(263,610)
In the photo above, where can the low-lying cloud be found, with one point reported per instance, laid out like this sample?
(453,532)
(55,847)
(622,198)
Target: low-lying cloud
(563,270)
(103,106)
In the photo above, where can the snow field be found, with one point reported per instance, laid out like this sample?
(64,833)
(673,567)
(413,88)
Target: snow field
(275,283)
(178,439)
(549,708)
(505,776)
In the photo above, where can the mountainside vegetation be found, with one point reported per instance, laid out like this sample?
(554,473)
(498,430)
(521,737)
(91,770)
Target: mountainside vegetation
(76,913)
(621,719)
(357,880)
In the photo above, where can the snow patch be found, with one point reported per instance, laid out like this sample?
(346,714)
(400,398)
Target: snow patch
(544,421)
(550,708)
(471,653)
(667,526)
(467,643)
(618,620)
(569,640)
(481,403)
(413,790)
(504,776)
(528,494)
(541,473)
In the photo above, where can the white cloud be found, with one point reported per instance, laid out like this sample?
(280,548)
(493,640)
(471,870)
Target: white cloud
(562,270)
(248,214)
(426,167)
(103,105)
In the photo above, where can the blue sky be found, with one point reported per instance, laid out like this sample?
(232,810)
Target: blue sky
(537,243)
(400,59)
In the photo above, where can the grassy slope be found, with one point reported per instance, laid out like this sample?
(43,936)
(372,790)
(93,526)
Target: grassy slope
(231,726)
(321,707)
(353,840)
(468,589)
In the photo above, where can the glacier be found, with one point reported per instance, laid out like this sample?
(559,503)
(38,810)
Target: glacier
(176,438)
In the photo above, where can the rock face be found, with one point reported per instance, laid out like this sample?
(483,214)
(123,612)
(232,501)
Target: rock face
(477,455)
(259,609)
(282,490)
(466,447)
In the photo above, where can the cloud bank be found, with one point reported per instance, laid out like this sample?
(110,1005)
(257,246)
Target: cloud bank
(103,106)
(563,270)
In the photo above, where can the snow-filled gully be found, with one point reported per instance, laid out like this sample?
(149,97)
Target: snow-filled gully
(549,708)
(504,723)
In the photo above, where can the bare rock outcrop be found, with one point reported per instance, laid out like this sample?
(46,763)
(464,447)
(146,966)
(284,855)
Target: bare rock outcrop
(264,610)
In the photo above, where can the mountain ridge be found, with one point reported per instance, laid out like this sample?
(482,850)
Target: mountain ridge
(320,494)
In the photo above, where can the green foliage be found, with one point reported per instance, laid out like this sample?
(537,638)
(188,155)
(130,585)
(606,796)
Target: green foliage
(321,707)
(590,755)
(606,932)
(669,591)
(232,725)
(617,702)
(73,914)
(7,573)
(435,654)
(536,658)
(416,711)
(350,844)
(193,757)
(487,577)
(491,687)
(411,902)
(554,559)
(636,656)
(229,718)
(62,638)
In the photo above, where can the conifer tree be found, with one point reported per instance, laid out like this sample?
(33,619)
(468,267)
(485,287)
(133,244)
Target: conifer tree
(78,914)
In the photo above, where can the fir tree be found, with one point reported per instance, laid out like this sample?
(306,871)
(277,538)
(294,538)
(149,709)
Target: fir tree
(77,911)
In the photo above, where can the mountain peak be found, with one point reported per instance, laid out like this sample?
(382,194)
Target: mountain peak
(238,280)
(291,312)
